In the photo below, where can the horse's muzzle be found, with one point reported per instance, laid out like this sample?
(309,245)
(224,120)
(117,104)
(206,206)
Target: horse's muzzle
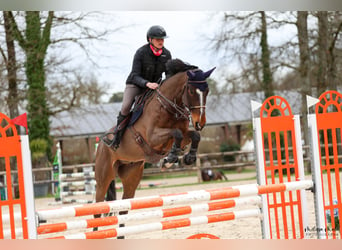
(198,126)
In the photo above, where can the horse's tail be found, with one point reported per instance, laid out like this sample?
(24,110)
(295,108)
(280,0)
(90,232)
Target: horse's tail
(223,175)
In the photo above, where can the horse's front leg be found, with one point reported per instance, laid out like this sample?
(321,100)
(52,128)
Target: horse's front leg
(160,136)
(195,137)
(176,146)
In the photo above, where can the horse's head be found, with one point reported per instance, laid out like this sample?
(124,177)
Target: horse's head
(195,96)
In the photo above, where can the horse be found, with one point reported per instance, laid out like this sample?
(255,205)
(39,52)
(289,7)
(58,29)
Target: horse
(212,175)
(161,130)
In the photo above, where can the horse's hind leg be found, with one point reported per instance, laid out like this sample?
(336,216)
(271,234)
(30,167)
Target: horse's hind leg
(104,173)
(130,175)
(111,195)
(195,137)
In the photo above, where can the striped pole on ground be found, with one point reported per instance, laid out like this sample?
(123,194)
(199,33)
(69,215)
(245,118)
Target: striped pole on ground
(157,226)
(78,183)
(181,199)
(72,193)
(77,175)
(155,214)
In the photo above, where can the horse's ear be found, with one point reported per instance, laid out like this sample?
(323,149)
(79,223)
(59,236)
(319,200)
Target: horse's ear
(191,74)
(208,73)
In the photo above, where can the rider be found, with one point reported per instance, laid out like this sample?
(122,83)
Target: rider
(147,69)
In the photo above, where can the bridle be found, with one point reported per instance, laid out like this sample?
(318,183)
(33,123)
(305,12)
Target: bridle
(178,111)
(199,85)
(182,112)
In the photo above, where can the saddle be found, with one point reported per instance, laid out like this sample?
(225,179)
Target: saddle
(130,120)
(138,106)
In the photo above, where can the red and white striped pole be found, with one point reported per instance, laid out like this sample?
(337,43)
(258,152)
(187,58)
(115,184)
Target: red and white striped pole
(154,214)
(180,199)
(164,225)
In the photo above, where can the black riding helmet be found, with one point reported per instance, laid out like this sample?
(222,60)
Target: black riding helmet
(156,31)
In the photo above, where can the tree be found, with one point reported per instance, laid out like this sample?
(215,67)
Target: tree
(116,97)
(267,82)
(324,45)
(80,91)
(213,86)
(35,43)
(34,38)
(243,36)
(237,37)
(11,67)
(322,40)
(329,32)
(334,61)
(304,67)
(304,55)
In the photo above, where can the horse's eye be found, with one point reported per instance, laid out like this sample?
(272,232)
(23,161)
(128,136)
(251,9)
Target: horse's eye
(191,91)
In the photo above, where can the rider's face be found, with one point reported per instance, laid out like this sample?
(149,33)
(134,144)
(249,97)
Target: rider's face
(157,42)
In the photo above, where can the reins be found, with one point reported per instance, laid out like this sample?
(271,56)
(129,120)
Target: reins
(178,111)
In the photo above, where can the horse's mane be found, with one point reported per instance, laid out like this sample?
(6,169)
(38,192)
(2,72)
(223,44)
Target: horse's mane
(175,66)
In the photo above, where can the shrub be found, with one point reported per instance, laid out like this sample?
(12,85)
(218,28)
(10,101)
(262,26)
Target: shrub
(229,146)
(38,149)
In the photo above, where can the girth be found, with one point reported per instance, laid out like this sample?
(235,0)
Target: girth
(151,155)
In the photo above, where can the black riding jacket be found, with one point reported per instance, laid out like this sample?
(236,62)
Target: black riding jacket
(147,67)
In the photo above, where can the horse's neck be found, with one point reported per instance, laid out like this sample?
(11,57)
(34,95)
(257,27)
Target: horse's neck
(173,87)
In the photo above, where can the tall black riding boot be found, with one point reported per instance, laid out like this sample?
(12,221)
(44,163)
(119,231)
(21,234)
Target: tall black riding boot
(119,130)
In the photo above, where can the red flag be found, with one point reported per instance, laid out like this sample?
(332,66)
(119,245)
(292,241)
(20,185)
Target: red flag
(21,120)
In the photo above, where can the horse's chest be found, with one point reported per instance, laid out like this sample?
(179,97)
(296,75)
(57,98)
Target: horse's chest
(177,124)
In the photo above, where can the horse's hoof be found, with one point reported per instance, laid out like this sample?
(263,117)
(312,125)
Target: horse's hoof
(189,159)
(166,164)
(171,158)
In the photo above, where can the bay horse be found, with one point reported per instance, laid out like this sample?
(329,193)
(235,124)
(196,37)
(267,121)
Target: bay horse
(162,130)
(212,175)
